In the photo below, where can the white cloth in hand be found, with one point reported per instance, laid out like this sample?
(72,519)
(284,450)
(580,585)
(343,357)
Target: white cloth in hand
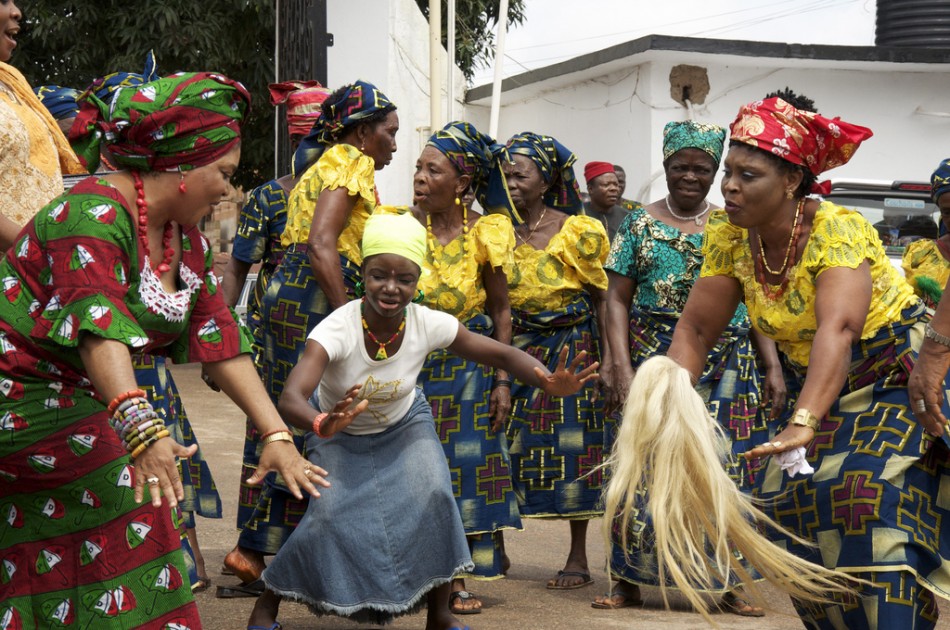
(793,462)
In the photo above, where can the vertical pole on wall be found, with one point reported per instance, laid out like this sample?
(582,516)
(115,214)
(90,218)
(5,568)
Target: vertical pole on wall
(450,66)
(499,63)
(276,79)
(435,74)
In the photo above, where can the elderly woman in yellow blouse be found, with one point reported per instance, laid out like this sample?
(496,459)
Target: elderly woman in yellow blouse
(468,261)
(34,153)
(557,292)
(927,262)
(326,212)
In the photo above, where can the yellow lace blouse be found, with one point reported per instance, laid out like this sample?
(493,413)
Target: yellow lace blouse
(550,278)
(33,151)
(341,166)
(839,238)
(923,258)
(452,278)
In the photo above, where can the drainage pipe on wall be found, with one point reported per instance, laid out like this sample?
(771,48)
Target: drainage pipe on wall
(499,63)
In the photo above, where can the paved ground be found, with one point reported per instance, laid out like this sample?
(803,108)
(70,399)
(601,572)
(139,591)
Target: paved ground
(519,601)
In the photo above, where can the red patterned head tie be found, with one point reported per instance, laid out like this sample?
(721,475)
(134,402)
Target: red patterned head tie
(304,100)
(797,136)
(360,101)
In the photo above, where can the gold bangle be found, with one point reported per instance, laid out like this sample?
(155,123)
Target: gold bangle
(805,418)
(278,436)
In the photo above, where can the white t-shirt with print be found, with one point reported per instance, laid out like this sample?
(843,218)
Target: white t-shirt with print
(390,384)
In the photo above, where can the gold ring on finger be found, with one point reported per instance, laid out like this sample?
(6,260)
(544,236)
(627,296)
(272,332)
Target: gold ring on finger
(152,481)
(307,471)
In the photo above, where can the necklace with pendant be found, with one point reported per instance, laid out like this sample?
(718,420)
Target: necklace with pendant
(381,353)
(695,218)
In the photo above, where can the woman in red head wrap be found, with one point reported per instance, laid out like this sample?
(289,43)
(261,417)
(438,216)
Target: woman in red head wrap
(815,279)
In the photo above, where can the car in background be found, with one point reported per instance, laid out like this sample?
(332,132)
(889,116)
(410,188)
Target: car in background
(246,292)
(901,211)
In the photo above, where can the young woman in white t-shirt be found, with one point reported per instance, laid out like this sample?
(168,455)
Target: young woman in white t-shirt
(386,535)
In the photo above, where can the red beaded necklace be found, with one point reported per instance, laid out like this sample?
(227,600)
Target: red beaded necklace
(165,264)
(381,352)
(790,253)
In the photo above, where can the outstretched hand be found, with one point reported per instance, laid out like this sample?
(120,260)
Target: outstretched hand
(297,473)
(567,380)
(342,415)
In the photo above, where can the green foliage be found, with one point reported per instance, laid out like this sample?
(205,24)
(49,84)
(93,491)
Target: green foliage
(71,43)
(476,21)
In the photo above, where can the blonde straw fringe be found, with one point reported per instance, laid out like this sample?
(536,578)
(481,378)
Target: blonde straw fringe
(670,448)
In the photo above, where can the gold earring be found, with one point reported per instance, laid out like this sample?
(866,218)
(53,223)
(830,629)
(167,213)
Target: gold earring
(458,201)
(789,194)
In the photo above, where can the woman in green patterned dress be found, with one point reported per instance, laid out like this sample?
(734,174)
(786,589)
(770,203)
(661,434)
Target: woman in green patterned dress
(82,292)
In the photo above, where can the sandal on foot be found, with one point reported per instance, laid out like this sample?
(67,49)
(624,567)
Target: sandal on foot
(732,603)
(625,602)
(585,577)
(462,596)
(250,589)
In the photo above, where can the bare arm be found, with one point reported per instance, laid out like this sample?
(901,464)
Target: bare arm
(711,304)
(842,300)
(294,403)
(618,371)
(774,390)
(233,282)
(240,381)
(927,378)
(8,233)
(302,382)
(599,298)
(329,217)
(487,351)
(496,290)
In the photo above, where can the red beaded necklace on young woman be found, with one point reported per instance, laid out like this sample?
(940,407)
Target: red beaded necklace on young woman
(791,251)
(381,352)
(165,264)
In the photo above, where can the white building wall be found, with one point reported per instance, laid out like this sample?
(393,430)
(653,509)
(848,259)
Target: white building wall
(387,44)
(620,117)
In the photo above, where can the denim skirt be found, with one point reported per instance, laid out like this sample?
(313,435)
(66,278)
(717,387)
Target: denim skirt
(385,532)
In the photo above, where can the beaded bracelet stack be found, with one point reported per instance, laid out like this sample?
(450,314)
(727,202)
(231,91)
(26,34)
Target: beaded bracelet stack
(136,422)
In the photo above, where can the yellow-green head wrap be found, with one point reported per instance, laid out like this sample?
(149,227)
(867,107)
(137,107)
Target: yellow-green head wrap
(399,234)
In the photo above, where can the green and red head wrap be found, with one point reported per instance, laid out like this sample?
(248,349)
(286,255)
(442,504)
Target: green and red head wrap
(175,123)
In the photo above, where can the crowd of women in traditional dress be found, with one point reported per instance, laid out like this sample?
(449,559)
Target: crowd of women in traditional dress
(493,350)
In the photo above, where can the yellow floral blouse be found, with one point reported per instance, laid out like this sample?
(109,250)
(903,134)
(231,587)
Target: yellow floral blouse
(923,259)
(839,238)
(550,278)
(341,166)
(33,151)
(452,278)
